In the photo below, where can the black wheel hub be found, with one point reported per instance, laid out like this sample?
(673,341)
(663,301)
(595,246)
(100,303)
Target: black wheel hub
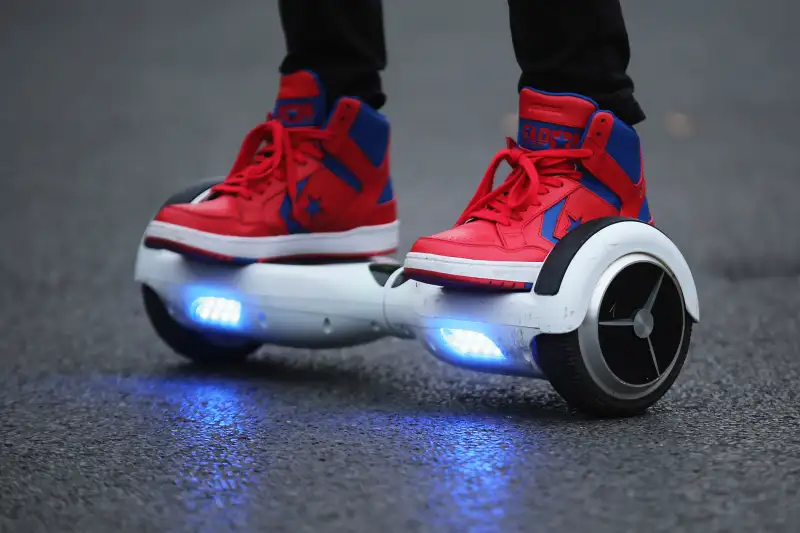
(641,323)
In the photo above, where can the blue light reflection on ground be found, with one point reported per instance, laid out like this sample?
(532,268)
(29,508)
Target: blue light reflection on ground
(471,464)
(474,474)
(216,479)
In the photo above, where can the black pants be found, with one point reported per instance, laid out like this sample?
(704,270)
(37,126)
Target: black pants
(578,46)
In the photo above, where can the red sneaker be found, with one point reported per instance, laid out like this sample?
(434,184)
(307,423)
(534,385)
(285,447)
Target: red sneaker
(573,163)
(305,184)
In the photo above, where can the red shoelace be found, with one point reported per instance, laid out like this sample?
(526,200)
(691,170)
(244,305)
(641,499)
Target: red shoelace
(269,152)
(533,173)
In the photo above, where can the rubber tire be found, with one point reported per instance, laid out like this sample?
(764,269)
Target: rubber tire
(559,358)
(190,192)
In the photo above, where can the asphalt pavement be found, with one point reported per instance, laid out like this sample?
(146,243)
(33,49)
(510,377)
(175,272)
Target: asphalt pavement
(107,107)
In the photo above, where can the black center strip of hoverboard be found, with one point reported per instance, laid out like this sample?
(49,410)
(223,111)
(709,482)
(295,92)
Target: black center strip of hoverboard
(382,272)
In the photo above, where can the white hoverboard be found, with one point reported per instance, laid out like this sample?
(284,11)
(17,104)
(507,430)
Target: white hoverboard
(607,321)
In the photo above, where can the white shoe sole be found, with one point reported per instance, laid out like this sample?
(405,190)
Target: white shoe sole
(363,241)
(499,271)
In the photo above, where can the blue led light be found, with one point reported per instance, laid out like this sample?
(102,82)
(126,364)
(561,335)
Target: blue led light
(216,311)
(471,344)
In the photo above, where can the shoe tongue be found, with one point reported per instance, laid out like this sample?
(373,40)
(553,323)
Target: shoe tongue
(301,101)
(550,121)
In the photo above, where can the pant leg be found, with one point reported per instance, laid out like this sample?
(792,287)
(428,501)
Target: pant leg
(342,41)
(578,46)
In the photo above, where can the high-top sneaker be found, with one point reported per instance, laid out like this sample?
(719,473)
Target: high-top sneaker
(571,163)
(306,183)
